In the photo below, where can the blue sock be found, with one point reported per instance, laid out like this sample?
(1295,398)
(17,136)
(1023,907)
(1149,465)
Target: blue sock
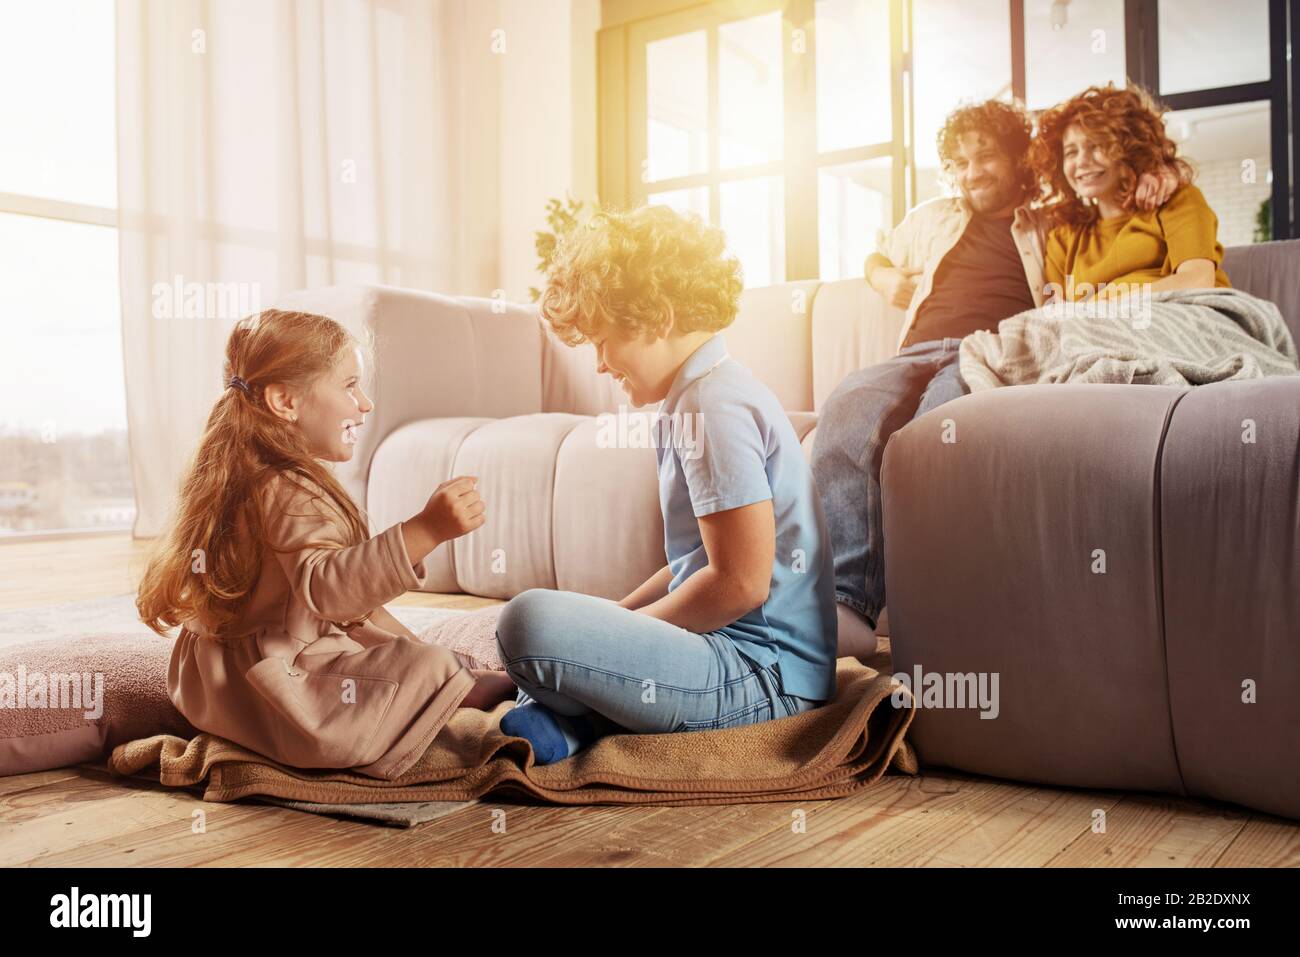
(554,737)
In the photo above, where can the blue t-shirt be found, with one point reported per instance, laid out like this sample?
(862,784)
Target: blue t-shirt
(724,441)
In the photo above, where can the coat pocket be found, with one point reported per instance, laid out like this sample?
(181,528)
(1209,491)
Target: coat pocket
(319,719)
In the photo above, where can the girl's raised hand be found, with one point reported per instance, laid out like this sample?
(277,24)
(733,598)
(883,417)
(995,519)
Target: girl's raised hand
(454,508)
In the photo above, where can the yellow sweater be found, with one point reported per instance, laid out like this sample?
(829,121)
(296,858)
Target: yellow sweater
(1136,247)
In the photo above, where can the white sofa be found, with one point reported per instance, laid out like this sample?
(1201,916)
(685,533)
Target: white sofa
(467,386)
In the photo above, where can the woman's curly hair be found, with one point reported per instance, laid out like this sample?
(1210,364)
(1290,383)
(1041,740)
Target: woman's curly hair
(1130,128)
(649,270)
(1007,124)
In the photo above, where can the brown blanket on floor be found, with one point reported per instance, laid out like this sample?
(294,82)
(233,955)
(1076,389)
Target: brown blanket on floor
(828,752)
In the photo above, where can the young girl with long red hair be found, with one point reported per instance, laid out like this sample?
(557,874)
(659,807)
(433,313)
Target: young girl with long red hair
(285,646)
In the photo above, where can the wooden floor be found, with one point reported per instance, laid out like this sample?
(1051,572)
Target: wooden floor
(83,817)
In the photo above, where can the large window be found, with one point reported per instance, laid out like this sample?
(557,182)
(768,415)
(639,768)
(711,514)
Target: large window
(804,127)
(780,121)
(1069,46)
(962,51)
(63,452)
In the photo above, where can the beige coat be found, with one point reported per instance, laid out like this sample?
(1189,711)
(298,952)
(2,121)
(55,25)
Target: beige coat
(302,690)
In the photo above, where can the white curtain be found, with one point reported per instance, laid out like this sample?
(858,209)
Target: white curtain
(271,145)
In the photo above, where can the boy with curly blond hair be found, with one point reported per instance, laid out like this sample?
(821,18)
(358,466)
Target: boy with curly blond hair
(739,626)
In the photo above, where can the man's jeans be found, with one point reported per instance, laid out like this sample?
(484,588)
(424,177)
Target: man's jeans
(861,414)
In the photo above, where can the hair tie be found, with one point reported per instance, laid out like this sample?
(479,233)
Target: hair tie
(240,384)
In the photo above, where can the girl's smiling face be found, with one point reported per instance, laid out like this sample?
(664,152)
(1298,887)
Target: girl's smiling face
(330,414)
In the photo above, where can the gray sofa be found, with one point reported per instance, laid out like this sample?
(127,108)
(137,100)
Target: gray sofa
(1126,559)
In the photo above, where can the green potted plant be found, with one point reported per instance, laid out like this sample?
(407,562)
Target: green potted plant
(561,216)
(1264,222)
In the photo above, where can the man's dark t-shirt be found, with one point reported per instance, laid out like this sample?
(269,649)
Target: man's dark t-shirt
(980,282)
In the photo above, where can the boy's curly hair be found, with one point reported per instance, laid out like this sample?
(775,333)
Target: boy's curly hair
(1007,124)
(1130,128)
(648,270)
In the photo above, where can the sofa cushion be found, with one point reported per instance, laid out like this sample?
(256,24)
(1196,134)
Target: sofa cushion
(514,460)
(1267,270)
(412,462)
(608,532)
(772,338)
(570,382)
(852,328)
(573,501)
(547,483)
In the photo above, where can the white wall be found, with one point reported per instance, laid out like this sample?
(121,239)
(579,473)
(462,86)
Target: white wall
(1234,197)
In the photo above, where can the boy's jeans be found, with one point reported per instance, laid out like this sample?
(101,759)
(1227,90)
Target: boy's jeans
(861,414)
(578,653)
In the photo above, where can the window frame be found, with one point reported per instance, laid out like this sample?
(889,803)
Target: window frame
(1142,66)
(57,210)
(623,106)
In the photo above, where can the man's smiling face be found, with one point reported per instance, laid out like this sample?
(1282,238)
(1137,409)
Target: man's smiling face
(985,174)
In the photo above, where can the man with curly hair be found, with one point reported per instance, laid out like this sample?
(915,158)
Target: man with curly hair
(957,265)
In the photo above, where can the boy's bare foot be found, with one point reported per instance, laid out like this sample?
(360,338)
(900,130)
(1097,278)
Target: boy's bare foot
(857,639)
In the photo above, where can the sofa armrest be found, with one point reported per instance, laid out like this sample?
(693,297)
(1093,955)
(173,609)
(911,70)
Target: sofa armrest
(1123,558)
(1021,541)
(433,357)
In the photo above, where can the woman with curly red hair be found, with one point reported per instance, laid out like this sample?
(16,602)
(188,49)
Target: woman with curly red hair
(1090,152)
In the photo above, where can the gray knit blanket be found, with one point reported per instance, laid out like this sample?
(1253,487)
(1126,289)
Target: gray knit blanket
(1171,337)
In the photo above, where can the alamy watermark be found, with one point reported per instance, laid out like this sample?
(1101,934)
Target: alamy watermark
(77,909)
(635,429)
(948,689)
(53,691)
(1130,301)
(205,300)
